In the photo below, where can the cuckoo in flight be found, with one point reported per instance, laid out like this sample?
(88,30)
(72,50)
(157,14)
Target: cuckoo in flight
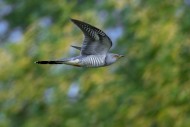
(94,51)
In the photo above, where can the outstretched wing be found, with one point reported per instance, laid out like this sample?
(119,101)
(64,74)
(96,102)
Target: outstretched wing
(96,42)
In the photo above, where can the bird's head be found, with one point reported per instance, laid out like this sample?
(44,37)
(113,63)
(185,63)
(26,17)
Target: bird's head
(112,58)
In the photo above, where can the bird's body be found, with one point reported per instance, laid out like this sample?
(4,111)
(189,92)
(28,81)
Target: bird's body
(93,61)
(94,51)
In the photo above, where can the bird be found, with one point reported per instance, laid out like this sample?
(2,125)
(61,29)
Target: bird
(94,52)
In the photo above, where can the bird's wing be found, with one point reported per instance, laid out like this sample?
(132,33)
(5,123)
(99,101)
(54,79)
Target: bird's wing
(76,47)
(96,42)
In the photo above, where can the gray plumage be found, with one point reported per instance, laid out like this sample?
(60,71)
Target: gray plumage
(94,51)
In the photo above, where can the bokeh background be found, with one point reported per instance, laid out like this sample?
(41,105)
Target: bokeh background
(150,87)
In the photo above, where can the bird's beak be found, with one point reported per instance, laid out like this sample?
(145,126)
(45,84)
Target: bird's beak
(121,56)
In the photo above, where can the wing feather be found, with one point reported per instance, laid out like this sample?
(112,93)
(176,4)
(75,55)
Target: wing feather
(96,42)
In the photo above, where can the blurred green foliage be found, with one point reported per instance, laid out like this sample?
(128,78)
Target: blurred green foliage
(148,88)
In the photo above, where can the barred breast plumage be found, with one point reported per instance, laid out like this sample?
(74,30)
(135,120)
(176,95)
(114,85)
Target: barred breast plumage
(93,61)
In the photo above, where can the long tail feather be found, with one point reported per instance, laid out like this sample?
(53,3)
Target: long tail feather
(49,62)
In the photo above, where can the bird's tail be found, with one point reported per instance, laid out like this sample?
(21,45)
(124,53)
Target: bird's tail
(50,62)
(68,61)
